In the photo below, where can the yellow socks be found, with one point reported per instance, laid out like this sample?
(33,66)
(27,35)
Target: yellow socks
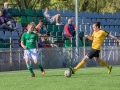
(102,62)
(79,65)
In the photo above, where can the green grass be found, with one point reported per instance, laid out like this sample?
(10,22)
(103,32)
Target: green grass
(95,78)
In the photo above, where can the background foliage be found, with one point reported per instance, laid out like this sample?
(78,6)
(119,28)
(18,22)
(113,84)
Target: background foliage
(84,5)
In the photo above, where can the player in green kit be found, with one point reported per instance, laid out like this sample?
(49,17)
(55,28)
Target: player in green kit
(29,41)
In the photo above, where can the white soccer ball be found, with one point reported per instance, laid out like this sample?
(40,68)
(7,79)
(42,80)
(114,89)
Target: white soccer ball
(67,73)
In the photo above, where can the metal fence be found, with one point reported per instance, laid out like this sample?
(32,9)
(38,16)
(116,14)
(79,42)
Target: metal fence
(12,59)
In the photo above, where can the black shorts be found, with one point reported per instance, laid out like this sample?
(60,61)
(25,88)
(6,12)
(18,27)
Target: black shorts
(93,53)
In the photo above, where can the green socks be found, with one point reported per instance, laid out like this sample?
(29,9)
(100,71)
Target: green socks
(30,68)
(40,67)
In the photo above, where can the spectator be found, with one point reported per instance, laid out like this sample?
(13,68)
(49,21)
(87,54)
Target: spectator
(2,19)
(36,32)
(52,19)
(4,24)
(41,28)
(69,29)
(42,32)
(7,15)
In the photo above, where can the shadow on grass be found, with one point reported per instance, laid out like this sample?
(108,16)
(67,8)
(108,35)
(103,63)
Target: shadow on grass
(53,75)
(115,75)
(88,75)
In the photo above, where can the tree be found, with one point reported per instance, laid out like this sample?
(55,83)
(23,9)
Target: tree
(83,5)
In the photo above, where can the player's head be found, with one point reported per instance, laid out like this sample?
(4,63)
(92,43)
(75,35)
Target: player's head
(30,26)
(96,26)
(70,21)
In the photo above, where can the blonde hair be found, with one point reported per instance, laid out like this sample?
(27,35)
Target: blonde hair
(31,24)
(6,4)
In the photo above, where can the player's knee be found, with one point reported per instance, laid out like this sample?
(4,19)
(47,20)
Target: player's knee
(85,58)
(27,60)
(58,15)
(35,61)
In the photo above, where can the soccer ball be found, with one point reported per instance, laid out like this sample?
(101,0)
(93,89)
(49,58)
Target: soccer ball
(67,73)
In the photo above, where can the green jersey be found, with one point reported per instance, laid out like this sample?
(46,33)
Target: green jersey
(29,40)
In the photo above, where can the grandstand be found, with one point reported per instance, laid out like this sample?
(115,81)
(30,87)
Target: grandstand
(109,22)
(9,41)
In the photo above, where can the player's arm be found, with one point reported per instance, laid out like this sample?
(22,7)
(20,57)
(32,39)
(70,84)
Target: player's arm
(113,37)
(22,42)
(89,37)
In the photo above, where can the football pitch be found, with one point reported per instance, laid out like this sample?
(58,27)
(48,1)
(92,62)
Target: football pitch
(95,78)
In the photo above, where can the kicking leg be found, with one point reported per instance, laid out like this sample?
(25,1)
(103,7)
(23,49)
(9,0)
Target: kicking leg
(58,18)
(80,64)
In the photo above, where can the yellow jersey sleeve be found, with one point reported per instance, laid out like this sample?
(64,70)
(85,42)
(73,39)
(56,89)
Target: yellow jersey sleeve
(105,33)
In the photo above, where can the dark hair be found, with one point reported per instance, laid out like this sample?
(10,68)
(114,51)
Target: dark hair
(97,24)
(46,8)
(24,29)
(40,20)
(35,29)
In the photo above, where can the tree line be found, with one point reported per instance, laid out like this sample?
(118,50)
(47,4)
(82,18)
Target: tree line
(83,5)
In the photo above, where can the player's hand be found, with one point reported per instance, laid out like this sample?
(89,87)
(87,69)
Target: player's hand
(86,36)
(24,47)
(38,51)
